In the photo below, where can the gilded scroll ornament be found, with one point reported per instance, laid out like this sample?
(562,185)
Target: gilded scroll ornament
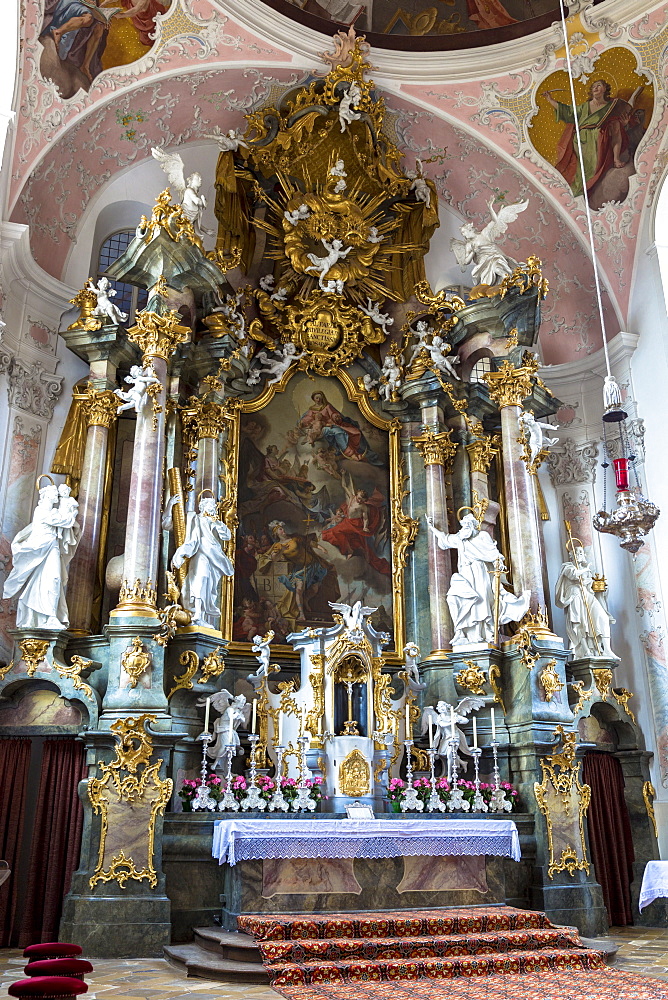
(564,802)
(649,794)
(622,697)
(213,665)
(184,682)
(33,652)
(73,672)
(494,678)
(355,775)
(603,681)
(6,669)
(526,276)
(135,661)
(170,219)
(549,678)
(472,678)
(133,787)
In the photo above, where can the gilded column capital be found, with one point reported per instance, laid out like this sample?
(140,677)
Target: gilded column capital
(158,336)
(101,407)
(436,447)
(481,451)
(204,419)
(509,386)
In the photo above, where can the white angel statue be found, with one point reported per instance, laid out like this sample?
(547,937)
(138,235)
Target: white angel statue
(260,647)
(339,170)
(439,357)
(490,265)
(419,186)
(533,430)
(354,615)
(411,654)
(422,331)
(374,236)
(372,310)
(297,214)
(139,380)
(323,265)
(276,367)
(234,713)
(391,376)
(348,104)
(105,308)
(441,718)
(369,382)
(186,188)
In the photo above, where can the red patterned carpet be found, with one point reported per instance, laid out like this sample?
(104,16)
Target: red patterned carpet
(473,953)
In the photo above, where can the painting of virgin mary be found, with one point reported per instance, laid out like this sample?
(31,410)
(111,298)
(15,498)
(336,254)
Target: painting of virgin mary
(322,421)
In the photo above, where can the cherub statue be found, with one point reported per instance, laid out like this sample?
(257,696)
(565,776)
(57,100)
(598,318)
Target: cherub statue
(348,104)
(391,376)
(374,236)
(186,189)
(422,331)
(232,709)
(297,214)
(419,186)
(372,310)
(140,379)
(260,647)
(490,264)
(323,265)
(533,430)
(339,170)
(276,367)
(105,308)
(441,718)
(228,142)
(439,359)
(333,287)
(352,616)
(411,654)
(368,382)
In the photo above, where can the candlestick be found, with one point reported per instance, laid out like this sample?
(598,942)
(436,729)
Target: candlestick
(254,726)
(410,801)
(304,800)
(479,804)
(498,801)
(206,715)
(435,802)
(228,801)
(253,799)
(278,801)
(456,802)
(475,734)
(203,798)
(491,715)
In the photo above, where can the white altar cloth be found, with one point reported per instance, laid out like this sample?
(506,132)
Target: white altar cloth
(654,883)
(255,839)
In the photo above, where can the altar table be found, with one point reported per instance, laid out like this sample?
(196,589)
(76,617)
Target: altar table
(654,883)
(258,839)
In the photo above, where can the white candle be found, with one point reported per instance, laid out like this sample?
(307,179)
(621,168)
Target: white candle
(206,715)
(230,735)
(280,729)
(303,726)
(254,714)
(475,734)
(408,721)
(493,724)
(452,722)
(431,734)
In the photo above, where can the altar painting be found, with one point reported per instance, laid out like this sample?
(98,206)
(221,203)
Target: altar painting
(313,512)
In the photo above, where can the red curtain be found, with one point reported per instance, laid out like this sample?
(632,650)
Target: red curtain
(610,834)
(14,764)
(56,840)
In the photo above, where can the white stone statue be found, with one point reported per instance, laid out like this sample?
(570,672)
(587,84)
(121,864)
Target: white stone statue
(533,431)
(354,615)
(323,265)
(372,310)
(490,265)
(228,142)
(276,367)
(339,170)
(419,185)
(207,564)
(369,382)
(234,710)
(261,648)
(374,236)
(105,308)
(390,377)
(471,594)
(333,287)
(297,214)
(441,719)
(137,395)
(587,620)
(186,189)
(439,357)
(411,655)
(348,104)
(41,556)
(422,331)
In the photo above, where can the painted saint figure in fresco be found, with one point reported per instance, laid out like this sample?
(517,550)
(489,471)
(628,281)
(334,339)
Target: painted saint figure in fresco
(308,573)
(355,525)
(610,130)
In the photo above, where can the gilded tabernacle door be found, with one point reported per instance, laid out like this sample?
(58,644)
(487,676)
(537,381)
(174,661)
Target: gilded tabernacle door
(317,515)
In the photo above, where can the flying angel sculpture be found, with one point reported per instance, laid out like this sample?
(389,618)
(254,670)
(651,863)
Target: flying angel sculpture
(185,188)
(440,717)
(261,644)
(490,265)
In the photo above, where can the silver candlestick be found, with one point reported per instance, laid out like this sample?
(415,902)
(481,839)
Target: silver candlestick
(253,799)
(410,801)
(479,804)
(456,802)
(498,801)
(204,800)
(228,803)
(278,801)
(304,800)
(434,803)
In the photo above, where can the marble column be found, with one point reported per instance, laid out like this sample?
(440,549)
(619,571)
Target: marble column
(508,387)
(210,422)
(438,452)
(100,409)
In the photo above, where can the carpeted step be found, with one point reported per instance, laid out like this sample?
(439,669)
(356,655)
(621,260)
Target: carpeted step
(404,923)
(339,949)
(388,970)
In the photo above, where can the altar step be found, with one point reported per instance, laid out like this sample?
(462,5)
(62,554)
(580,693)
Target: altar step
(225,956)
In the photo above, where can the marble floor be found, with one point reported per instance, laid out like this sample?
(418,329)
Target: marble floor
(641,950)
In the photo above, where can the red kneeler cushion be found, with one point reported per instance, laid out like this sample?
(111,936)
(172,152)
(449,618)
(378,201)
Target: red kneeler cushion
(51,949)
(76,967)
(48,986)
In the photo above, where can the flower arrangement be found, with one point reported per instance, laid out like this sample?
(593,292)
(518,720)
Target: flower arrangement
(396,790)
(266,785)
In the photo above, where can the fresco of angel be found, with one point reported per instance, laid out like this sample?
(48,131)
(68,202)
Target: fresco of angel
(441,717)
(186,189)
(234,708)
(490,264)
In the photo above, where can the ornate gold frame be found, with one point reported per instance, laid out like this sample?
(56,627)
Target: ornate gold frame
(403,527)
(562,771)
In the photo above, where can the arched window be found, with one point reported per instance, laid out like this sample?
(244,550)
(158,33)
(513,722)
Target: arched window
(129,298)
(481,366)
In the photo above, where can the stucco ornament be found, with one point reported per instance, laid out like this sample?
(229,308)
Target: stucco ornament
(490,265)
(41,555)
(276,367)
